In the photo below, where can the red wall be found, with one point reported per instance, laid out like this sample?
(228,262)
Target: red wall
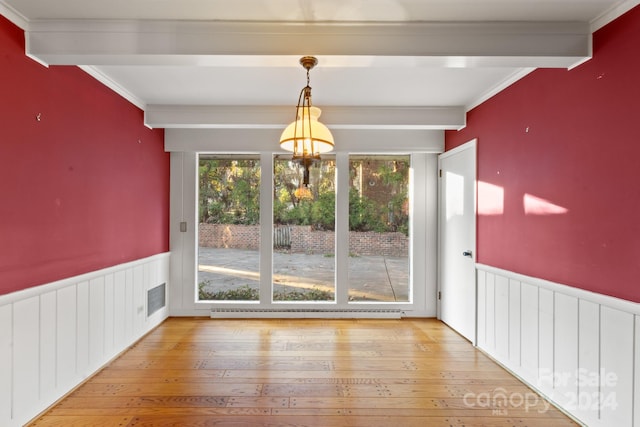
(84,188)
(571,138)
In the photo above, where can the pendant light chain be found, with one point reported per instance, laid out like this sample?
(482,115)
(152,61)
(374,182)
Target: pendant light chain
(307,103)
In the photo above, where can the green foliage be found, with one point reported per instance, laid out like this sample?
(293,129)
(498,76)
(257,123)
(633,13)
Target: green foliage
(364,214)
(230,193)
(246,293)
(243,293)
(323,211)
(304,295)
(378,199)
(293,215)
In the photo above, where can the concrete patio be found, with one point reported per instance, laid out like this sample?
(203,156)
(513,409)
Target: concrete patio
(371,278)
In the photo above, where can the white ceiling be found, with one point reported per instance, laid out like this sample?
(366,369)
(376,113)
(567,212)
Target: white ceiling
(200,55)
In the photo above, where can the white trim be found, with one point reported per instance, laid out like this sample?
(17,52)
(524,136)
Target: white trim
(609,301)
(184,247)
(59,284)
(613,13)
(469,144)
(580,345)
(517,75)
(13,15)
(266,226)
(54,336)
(111,84)
(341,243)
(605,18)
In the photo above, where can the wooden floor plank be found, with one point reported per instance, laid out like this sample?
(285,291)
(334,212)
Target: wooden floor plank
(329,373)
(84,421)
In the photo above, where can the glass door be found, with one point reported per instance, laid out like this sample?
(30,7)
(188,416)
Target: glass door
(379,228)
(229,228)
(304,232)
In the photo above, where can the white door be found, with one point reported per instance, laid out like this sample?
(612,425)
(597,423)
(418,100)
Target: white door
(457,214)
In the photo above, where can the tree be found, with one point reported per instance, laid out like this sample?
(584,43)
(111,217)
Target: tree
(229,191)
(312,206)
(378,198)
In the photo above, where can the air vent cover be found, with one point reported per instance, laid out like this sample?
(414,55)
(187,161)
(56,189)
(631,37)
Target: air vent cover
(156,299)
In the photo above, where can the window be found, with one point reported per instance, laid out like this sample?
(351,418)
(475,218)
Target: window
(229,228)
(379,228)
(344,242)
(304,232)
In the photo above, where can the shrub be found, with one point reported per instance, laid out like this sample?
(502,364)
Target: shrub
(247,293)
(243,293)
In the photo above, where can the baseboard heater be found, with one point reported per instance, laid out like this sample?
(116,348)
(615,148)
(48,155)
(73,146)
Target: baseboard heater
(274,313)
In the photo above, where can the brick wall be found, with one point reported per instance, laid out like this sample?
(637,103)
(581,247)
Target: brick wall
(229,236)
(305,240)
(372,243)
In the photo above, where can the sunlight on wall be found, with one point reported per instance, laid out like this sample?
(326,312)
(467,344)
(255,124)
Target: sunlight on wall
(490,199)
(537,206)
(491,202)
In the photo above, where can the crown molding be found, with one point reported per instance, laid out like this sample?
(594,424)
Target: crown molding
(499,88)
(108,82)
(13,15)
(613,13)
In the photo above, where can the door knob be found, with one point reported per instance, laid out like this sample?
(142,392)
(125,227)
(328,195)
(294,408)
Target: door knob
(467,253)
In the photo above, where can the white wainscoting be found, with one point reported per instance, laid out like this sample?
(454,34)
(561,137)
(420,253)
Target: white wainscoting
(579,349)
(54,336)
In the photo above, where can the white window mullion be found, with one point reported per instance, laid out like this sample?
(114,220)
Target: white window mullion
(266,228)
(342,229)
(189,214)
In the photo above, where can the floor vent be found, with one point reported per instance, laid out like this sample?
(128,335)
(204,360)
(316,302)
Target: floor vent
(156,299)
(274,313)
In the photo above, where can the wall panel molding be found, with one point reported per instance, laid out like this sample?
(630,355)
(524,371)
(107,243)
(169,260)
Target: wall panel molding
(577,348)
(54,336)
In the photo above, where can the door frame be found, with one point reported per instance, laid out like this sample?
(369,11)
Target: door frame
(469,145)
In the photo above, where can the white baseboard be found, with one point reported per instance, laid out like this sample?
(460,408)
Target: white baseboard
(54,336)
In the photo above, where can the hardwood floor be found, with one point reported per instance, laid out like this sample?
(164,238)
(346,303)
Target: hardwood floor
(319,373)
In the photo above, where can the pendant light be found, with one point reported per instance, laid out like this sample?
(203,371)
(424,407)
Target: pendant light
(306,137)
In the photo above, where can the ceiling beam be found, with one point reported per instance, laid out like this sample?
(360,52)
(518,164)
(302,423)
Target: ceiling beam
(277,117)
(354,141)
(105,42)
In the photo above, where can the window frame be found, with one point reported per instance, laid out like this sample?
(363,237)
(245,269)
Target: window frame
(423,231)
